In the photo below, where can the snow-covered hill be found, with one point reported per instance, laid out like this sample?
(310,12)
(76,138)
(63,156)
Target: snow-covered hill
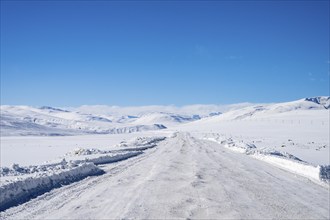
(50,121)
(273,110)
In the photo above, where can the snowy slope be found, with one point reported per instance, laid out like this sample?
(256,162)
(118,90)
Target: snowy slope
(270,110)
(48,121)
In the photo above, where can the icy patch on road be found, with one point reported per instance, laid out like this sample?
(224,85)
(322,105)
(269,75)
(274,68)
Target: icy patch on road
(19,190)
(280,159)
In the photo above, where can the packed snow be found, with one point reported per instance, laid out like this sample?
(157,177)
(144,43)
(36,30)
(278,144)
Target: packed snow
(281,159)
(202,161)
(19,190)
(19,184)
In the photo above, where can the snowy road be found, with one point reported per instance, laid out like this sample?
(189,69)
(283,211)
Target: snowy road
(183,177)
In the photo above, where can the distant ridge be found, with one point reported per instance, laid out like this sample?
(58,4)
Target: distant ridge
(52,109)
(50,121)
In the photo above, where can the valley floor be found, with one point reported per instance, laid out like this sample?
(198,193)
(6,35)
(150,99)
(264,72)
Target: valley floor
(183,177)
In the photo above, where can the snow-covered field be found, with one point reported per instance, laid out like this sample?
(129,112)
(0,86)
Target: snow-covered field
(238,161)
(34,150)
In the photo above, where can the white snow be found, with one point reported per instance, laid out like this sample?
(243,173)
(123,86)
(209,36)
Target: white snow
(166,119)
(31,150)
(184,177)
(19,184)
(303,133)
(47,121)
(280,159)
(22,189)
(230,162)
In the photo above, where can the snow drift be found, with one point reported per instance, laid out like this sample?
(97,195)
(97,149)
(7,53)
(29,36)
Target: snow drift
(280,159)
(20,184)
(21,190)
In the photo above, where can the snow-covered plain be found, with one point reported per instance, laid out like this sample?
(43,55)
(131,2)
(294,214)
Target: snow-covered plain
(239,161)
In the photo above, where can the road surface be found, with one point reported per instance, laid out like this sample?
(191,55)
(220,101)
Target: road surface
(183,177)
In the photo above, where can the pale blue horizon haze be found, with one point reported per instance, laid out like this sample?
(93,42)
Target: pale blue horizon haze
(129,53)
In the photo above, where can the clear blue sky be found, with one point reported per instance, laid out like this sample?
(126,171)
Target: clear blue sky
(70,53)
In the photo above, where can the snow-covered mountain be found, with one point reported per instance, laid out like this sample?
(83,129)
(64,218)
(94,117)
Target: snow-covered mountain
(272,110)
(50,121)
(189,110)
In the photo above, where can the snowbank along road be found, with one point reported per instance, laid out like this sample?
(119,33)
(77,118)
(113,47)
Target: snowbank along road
(183,177)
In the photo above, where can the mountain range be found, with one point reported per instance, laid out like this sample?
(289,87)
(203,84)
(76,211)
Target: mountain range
(53,121)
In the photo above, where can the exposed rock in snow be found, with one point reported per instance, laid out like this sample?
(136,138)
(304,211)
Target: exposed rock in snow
(51,109)
(321,100)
